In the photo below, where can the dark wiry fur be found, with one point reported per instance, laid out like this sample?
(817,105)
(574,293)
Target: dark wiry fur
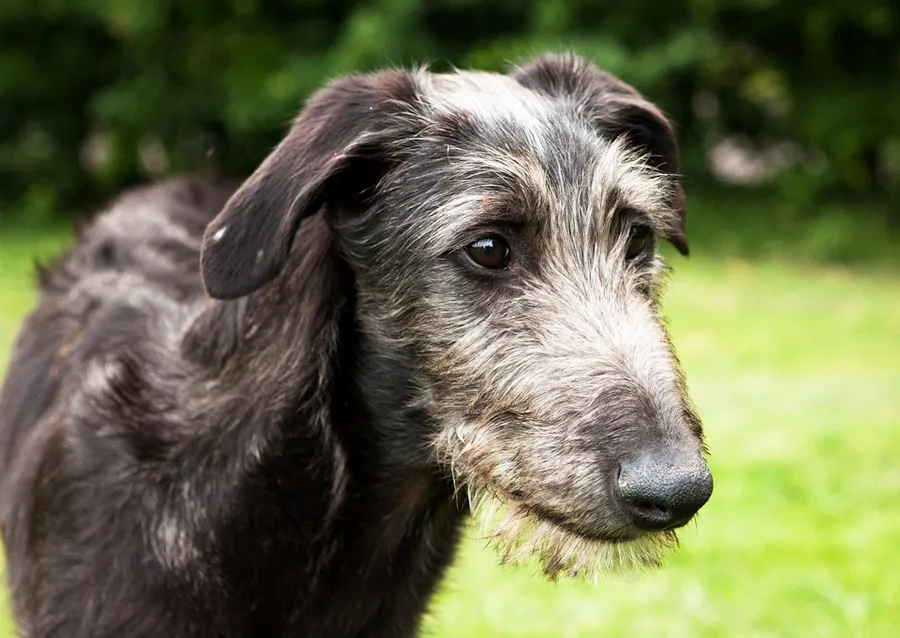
(113,428)
(264,463)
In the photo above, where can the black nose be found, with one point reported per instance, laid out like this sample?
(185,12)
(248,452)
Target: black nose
(664,491)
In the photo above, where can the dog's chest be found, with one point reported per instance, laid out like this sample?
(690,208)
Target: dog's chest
(382,576)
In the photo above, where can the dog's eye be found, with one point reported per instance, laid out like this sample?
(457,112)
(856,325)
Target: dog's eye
(638,240)
(489,252)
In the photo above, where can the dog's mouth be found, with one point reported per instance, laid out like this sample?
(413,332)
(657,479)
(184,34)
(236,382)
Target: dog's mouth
(525,534)
(599,536)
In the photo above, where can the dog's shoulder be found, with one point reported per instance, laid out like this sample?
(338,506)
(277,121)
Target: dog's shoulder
(153,231)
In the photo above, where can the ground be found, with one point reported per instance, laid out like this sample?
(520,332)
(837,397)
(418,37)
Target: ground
(796,373)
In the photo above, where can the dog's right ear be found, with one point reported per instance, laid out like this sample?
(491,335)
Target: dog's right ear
(352,119)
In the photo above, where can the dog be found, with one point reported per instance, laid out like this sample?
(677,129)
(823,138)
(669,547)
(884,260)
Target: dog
(267,408)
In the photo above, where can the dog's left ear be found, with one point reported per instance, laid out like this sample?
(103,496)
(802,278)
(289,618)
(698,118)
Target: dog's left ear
(344,131)
(615,108)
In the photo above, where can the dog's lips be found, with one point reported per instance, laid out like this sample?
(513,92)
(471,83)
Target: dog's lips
(549,516)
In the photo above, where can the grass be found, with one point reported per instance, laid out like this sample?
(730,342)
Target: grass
(796,371)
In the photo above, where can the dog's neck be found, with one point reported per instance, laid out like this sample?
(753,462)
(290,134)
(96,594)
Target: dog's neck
(336,439)
(313,367)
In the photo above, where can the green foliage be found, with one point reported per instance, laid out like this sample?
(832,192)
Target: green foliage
(764,224)
(97,95)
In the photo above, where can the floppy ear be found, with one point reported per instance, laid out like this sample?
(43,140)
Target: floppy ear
(248,243)
(615,108)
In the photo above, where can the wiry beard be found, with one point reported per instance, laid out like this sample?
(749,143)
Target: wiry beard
(521,538)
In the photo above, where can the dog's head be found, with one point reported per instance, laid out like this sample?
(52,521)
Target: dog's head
(502,230)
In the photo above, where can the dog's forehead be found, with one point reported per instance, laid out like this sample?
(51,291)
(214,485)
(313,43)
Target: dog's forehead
(489,97)
(516,134)
(537,148)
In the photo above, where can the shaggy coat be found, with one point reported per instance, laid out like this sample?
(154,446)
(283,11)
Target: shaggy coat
(263,411)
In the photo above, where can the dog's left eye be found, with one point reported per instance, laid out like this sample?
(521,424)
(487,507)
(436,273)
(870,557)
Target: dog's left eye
(489,252)
(638,240)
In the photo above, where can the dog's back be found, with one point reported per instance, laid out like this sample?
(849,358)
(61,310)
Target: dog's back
(136,264)
(141,254)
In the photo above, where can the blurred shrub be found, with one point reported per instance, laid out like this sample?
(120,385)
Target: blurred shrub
(98,94)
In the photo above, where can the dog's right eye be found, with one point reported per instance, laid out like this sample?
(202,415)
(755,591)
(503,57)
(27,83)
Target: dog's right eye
(489,252)
(638,240)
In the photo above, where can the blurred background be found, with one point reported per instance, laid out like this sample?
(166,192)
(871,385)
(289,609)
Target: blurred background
(787,314)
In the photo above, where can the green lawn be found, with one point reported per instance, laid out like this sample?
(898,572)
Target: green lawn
(796,372)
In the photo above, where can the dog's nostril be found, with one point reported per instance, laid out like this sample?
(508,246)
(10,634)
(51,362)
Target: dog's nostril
(651,516)
(651,509)
(660,493)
